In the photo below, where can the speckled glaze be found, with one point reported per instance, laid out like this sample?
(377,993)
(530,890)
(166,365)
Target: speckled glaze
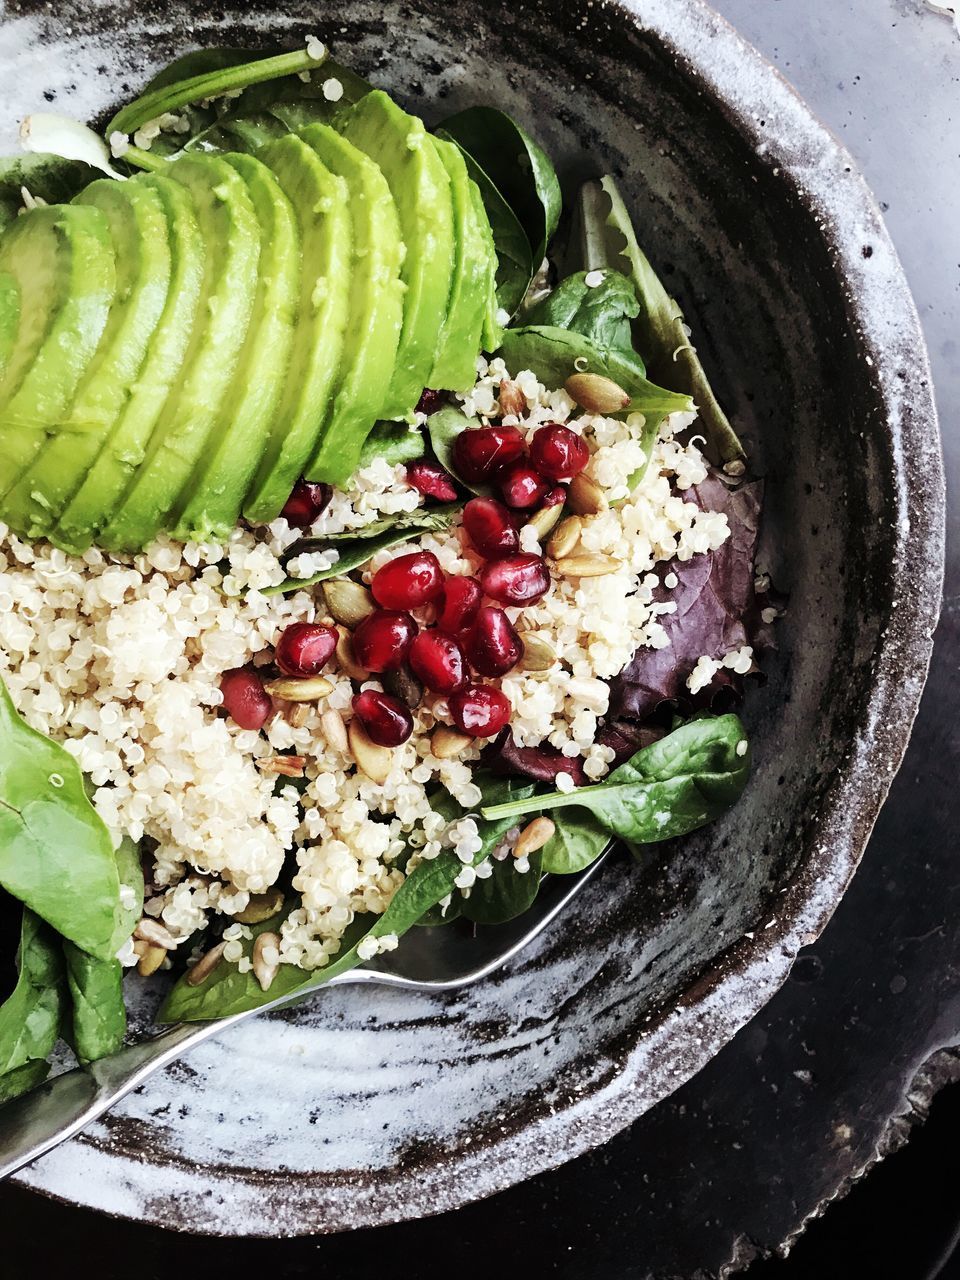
(373,1106)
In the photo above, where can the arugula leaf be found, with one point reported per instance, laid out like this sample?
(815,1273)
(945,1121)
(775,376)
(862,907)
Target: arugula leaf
(30,1017)
(56,855)
(443,427)
(394,442)
(98,1016)
(675,785)
(505,894)
(50,177)
(357,545)
(601,312)
(577,841)
(661,334)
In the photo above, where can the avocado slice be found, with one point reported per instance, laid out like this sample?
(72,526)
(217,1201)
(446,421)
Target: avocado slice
(376,307)
(400,145)
(124,447)
(320,200)
(191,415)
(455,368)
(138,228)
(9,317)
(216,492)
(62,260)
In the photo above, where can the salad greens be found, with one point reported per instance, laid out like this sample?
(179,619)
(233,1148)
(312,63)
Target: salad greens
(505,894)
(98,1016)
(51,178)
(443,427)
(30,1017)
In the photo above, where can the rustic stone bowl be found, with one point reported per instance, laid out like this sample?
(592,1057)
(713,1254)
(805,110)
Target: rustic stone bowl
(373,1106)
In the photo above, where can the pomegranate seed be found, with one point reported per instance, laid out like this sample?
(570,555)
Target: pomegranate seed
(382,639)
(430,401)
(385,718)
(479,710)
(308,500)
(493,646)
(557,452)
(555,497)
(491,527)
(245,700)
(521,579)
(408,581)
(304,648)
(430,479)
(438,661)
(458,605)
(479,451)
(521,486)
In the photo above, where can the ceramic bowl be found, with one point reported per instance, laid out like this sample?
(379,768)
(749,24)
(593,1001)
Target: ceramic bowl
(373,1106)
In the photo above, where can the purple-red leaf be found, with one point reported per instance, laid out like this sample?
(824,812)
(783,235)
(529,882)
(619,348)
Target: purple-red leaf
(542,763)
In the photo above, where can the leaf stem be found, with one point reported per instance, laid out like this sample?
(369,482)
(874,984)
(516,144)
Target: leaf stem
(144,160)
(536,804)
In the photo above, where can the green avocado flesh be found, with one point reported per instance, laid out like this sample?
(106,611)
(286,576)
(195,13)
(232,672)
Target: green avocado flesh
(62,261)
(400,145)
(137,223)
(321,201)
(9,317)
(190,418)
(375,307)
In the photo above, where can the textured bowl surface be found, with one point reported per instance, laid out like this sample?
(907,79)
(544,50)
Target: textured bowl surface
(372,1106)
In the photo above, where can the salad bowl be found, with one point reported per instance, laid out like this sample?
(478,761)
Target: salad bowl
(365,1107)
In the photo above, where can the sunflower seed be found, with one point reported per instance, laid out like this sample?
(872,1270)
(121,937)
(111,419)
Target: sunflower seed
(371,759)
(260,907)
(587,566)
(153,931)
(448,743)
(289,689)
(538,654)
(545,519)
(533,837)
(266,946)
(595,393)
(151,958)
(347,659)
(403,684)
(565,538)
(349,602)
(585,496)
(205,965)
(335,731)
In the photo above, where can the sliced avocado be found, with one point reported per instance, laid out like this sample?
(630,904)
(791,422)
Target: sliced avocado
(455,368)
(138,227)
(62,260)
(9,317)
(400,145)
(211,505)
(125,445)
(320,201)
(376,307)
(190,418)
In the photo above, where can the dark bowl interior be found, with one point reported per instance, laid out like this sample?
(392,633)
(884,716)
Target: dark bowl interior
(803,320)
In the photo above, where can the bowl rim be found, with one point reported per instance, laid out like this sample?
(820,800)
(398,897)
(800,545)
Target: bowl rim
(748,89)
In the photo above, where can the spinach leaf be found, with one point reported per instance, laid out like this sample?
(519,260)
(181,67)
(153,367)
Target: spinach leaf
(577,841)
(30,1017)
(675,785)
(516,165)
(601,312)
(515,265)
(661,334)
(50,177)
(443,427)
(98,1018)
(554,354)
(358,545)
(505,894)
(394,442)
(56,855)
(131,878)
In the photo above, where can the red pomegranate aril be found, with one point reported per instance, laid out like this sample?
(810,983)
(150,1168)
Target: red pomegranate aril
(409,581)
(521,486)
(556,497)
(430,479)
(480,451)
(493,646)
(458,605)
(438,661)
(245,700)
(479,710)
(385,718)
(304,648)
(430,401)
(557,452)
(381,641)
(308,500)
(491,527)
(521,579)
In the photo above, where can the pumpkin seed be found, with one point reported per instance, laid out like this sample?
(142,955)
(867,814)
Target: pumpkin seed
(151,958)
(205,965)
(349,602)
(736,467)
(587,566)
(545,519)
(289,689)
(265,970)
(371,759)
(533,837)
(448,743)
(335,731)
(595,393)
(538,654)
(403,684)
(347,659)
(565,538)
(585,496)
(260,907)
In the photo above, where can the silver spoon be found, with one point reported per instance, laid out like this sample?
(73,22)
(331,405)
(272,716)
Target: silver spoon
(438,959)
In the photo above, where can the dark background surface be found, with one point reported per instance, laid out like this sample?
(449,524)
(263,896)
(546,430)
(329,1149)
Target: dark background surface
(864,1036)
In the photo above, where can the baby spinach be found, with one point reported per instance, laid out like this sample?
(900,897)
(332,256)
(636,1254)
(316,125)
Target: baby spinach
(394,442)
(49,177)
(31,1015)
(505,894)
(356,546)
(675,785)
(601,312)
(577,842)
(98,1020)
(56,855)
(661,334)
(443,427)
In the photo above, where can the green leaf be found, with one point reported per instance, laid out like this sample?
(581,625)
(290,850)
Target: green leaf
(30,1017)
(394,442)
(661,335)
(667,789)
(577,842)
(358,545)
(601,312)
(130,872)
(52,178)
(505,894)
(56,855)
(443,427)
(98,1017)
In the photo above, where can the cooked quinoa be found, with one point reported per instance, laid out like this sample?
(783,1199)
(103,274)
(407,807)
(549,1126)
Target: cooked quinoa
(120,658)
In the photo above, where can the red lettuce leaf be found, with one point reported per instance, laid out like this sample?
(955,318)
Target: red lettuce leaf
(542,763)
